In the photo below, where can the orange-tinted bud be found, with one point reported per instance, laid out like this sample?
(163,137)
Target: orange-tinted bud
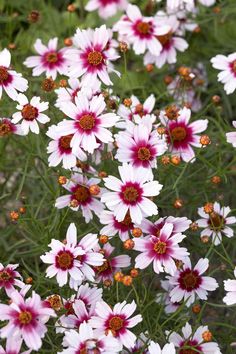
(127,280)
(176,160)
(71,8)
(118,276)
(208,208)
(102,174)
(205,140)
(165,160)
(29,280)
(127,102)
(207,336)
(62,180)
(14,215)
(103,239)
(137,232)
(196,308)
(178,203)
(149,68)
(68,42)
(94,189)
(123,47)
(128,244)
(134,273)
(216,179)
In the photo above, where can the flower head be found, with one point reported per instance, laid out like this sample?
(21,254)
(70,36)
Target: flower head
(230,287)
(9,278)
(227,66)
(106,8)
(7,128)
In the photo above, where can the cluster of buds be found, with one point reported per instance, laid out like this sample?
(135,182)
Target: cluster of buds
(15,214)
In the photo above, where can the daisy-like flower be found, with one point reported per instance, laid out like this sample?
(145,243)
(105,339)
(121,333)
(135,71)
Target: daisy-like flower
(140,147)
(193,342)
(30,112)
(80,196)
(8,128)
(161,250)
(189,283)
(90,295)
(170,43)
(182,135)
(230,287)
(64,258)
(93,56)
(161,298)
(89,122)
(154,348)
(227,66)
(141,32)
(131,194)
(60,149)
(113,226)
(50,59)
(26,318)
(106,8)
(87,340)
(179,225)
(116,321)
(9,278)
(13,346)
(216,223)
(230,137)
(110,264)
(10,80)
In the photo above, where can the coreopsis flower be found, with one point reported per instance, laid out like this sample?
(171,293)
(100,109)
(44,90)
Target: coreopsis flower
(141,32)
(182,135)
(116,321)
(230,287)
(111,264)
(131,194)
(64,258)
(191,342)
(13,346)
(7,128)
(189,283)
(80,196)
(140,147)
(87,340)
(161,250)
(106,8)
(91,58)
(161,298)
(227,66)
(90,295)
(10,80)
(9,278)
(30,113)
(50,59)
(154,348)
(89,122)
(112,226)
(60,149)
(188,5)
(171,43)
(216,223)
(230,137)
(180,224)
(26,319)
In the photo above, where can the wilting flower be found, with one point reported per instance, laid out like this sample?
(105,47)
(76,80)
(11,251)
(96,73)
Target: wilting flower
(154,348)
(50,59)
(10,80)
(7,127)
(227,66)
(106,8)
(230,287)
(112,226)
(230,137)
(131,194)
(216,223)
(116,321)
(30,112)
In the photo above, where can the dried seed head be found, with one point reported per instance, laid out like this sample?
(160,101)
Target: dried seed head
(55,302)
(48,85)
(165,160)
(161,130)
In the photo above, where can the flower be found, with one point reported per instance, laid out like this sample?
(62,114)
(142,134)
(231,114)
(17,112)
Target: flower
(92,56)
(154,348)
(161,250)
(216,223)
(7,127)
(113,226)
(106,8)
(10,80)
(89,122)
(30,112)
(86,340)
(181,135)
(27,318)
(13,346)
(131,194)
(230,287)
(191,342)
(116,321)
(80,196)
(227,66)
(179,225)
(231,137)
(161,298)
(50,59)
(8,278)
(188,283)
(90,295)
(63,258)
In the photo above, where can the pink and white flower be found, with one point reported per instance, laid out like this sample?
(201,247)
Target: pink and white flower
(161,298)
(7,127)
(189,283)
(90,295)
(50,59)
(89,122)
(106,8)
(92,56)
(13,346)
(161,250)
(231,137)
(227,66)
(64,258)
(112,226)
(182,135)
(10,80)
(9,278)
(80,196)
(30,112)
(216,223)
(193,341)
(131,194)
(230,288)
(154,348)
(180,224)
(116,321)
(26,318)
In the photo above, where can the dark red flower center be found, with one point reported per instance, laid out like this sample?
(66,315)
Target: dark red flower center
(143,27)
(127,220)
(195,348)
(25,317)
(95,58)
(5,275)
(3,74)
(51,57)
(64,141)
(87,122)
(81,194)
(178,133)
(102,268)
(64,260)
(130,194)
(144,153)
(116,323)
(29,112)
(216,221)
(189,279)
(165,38)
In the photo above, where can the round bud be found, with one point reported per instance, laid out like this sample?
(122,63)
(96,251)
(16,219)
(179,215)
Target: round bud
(71,8)
(196,308)
(94,189)
(22,210)
(128,244)
(208,208)
(74,203)
(137,232)
(62,180)
(107,283)
(118,276)
(14,215)
(68,42)
(205,140)
(165,160)
(63,83)
(205,239)
(127,280)
(207,336)
(176,160)
(127,102)
(123,47)
(168,79)
(29,280)
(216,99)
(103,239)
(161,130)
(102,174)
(194,226)
(216,179)
(149,68)
(178,203)
(134,273)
